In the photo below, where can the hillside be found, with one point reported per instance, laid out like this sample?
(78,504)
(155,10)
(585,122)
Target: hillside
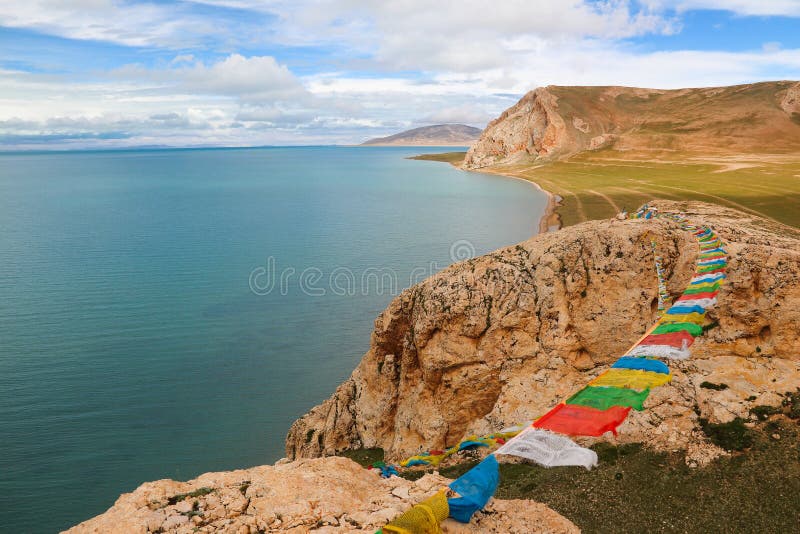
(555,122)
(437,135)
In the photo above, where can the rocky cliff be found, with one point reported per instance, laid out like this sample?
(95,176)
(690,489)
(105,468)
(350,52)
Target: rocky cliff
(500,339)
(324,495)
(556,121)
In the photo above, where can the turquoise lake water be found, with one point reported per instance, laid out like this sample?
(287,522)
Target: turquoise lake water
(140,335)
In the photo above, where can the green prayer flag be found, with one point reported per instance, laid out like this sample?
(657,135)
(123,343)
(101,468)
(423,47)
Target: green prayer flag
(669,328)
(603,398)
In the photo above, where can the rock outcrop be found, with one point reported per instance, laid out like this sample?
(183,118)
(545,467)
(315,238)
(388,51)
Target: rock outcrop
(323,495)
(553,122)
(533,127)
(500,339)
(791,101)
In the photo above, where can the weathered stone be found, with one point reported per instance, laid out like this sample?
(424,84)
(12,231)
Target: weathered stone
(326,495)
(500,339)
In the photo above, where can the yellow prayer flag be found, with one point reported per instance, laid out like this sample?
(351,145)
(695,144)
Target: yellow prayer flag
(631,379)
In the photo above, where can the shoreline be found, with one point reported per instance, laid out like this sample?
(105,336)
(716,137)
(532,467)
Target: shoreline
(550,219)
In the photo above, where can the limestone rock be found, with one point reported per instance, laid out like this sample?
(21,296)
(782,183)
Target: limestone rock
(500,339)
(324,495)
(533,126)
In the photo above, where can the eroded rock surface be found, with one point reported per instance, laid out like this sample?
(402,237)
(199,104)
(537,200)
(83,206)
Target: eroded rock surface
(500,339)
(791,102)
(324,495)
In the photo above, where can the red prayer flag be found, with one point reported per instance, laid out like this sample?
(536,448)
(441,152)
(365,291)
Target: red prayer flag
(698,296)
(577,420)
(673,339)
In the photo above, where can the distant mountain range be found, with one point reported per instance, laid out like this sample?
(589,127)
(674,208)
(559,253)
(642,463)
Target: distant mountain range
(438,134)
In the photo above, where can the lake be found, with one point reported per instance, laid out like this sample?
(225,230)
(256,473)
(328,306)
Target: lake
(165,313)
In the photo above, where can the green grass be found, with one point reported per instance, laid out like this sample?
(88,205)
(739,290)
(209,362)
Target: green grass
(596,185)
(363,457)
(635,489)
(731,436)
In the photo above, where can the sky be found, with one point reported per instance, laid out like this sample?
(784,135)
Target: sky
(77,74)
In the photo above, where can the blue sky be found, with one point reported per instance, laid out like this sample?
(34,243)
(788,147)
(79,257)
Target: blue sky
(113,73)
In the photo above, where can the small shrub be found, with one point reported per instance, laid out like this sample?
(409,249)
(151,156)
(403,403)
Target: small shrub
(762,413)
(772,427)
(793,402)
(363,457)
(731,436)
(608,453)
(711,385)
(175,499)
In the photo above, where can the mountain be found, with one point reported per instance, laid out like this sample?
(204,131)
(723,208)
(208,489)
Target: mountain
(555,122)
(436,135)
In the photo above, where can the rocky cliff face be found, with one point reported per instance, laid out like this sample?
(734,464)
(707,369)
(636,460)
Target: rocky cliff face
(556,121)
(500,339)
(791,100)
(324,495)
(533,127)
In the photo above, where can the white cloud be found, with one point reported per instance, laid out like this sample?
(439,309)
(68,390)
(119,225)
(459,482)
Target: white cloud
(187,103)
(458,35)
(474,115)
(789,8)
(141,24)
(398,64)
(257,78)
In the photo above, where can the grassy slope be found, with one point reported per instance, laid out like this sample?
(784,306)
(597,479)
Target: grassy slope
(597,185)
(731,120)
(639,490)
